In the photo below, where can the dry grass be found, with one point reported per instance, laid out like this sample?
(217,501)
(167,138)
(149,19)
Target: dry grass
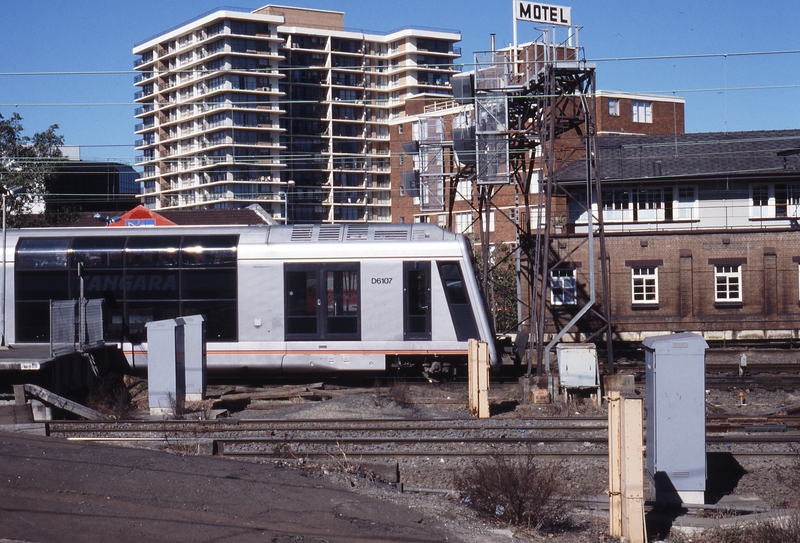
(397,393)
(517,492)
(109,395)
(780,529)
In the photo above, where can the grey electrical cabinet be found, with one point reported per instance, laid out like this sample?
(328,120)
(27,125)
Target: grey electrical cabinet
(166,370)
(194,332)
(676,417)
(176,363)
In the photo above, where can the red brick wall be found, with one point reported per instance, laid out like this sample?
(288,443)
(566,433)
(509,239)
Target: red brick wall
(667,118)
(686,281)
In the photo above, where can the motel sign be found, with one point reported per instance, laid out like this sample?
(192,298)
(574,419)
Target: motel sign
(542,13)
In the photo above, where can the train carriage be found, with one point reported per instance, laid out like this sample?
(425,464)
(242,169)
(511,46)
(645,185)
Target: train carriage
(290,299)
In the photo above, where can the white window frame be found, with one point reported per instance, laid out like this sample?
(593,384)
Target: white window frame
(563,287)
(685,205)
(463,222)
(644,285)
(464,189)
(649,204)
(762,201)
(613,107)
(788,206)
(728,283)
(641,111)
(537,219)
(617,204)
(491,220)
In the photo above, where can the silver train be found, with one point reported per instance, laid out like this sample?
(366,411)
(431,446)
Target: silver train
(277,299)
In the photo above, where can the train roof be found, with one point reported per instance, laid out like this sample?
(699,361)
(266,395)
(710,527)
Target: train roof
(296,233)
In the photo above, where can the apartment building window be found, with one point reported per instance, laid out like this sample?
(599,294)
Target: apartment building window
(563,287)
(463,222)
(442,221)
(464,189)
(728,281)
(613,107)
(644,285)
(642,111)
(490,223)
(537,218)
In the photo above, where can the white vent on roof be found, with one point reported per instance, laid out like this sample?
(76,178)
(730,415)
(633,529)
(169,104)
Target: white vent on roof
(419,233)
(302,232)
(329,232)
(356,232)
(401,235)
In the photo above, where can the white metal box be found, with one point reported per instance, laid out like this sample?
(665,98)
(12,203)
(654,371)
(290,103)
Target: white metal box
(577,365)
(676,416)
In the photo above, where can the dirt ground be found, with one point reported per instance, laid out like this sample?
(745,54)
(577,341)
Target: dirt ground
(64,491)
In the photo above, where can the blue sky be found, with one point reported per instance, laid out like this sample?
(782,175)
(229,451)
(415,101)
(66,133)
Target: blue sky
(69,62)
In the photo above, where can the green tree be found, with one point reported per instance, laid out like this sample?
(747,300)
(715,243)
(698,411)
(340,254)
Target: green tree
(502,296)
(26,162)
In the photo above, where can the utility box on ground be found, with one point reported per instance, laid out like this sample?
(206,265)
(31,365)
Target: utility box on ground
(166,369)
(194,328)
(676,417)
(577,367)
(176,363)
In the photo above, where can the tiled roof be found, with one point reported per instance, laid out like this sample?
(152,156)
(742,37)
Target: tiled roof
(708,154)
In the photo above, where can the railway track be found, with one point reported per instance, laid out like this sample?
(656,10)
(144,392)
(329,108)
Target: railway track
(402,438)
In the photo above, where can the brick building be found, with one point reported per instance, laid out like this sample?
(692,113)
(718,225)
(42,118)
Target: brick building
(452,202)
(701,235)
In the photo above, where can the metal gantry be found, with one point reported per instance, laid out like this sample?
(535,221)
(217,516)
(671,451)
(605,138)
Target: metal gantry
(534,114)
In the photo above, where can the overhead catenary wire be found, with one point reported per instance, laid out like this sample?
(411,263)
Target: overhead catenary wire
(283,101)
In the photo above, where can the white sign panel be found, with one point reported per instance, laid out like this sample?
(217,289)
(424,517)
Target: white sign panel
(542,13)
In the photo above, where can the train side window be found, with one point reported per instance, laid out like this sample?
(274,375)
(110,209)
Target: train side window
(100,252)
(342,310)
(209,251)
(322,301)
(417,300)
(42,253)
(458,301)
(152,251)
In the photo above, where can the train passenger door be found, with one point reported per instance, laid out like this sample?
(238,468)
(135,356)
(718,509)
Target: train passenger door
(322,301)
(416,300)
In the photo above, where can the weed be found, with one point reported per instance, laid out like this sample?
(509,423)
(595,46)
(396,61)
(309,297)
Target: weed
(779,529)
(517,492)
(283,449)
(790,477)
(177,406)
(110,396)
(397,393)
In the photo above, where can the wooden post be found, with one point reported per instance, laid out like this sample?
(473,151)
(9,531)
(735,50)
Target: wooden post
(614,466)
(631,428)
(478,369)
(626,468)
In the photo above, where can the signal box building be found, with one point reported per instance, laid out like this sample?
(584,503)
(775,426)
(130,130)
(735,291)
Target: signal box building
(701,236)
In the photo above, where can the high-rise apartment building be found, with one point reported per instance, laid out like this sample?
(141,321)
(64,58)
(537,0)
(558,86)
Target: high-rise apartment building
(282,107)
